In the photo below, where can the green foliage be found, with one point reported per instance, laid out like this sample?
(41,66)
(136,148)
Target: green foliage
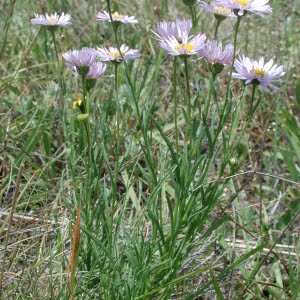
(157,221)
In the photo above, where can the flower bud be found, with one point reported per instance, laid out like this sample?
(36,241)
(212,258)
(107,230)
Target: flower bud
(82,117)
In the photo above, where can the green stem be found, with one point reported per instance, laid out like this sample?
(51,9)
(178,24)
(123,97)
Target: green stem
(193,14)
(117,105)
(59,68)
(175,103)
(187,79)
(237,25)
(222,117)
(212,91)
(55,45)
(217,28)
(251,113)
(252,100)
(117,123)
(86,122)
(126,67)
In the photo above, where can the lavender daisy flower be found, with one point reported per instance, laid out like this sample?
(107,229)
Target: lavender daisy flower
(116,17)
(241,7)
(179,29)
(81,59)
(174,38)
(114,55)
(188,46)
(52,20)
(257,72)
(218,11)
(214,53)
(96,70)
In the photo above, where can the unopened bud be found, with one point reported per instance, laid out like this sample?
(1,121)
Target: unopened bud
(82,117)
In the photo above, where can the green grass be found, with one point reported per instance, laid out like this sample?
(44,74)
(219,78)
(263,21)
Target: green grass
(216,217)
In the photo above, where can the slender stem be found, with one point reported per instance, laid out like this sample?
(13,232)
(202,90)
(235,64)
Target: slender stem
(237,25)
(193,14)
(175,102)
(187,79)
(59,69)
(86,122)
(212,93)
(252,99)
(117,124)
(55,45)
(126,67)
(217,28)
(251,113)
(117,105)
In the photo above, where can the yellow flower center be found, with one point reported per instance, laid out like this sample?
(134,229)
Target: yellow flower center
(116,54)
(188,47)
(260,72)
(222,10)
(241,2)
(77,103)
(52,20)
(117,16)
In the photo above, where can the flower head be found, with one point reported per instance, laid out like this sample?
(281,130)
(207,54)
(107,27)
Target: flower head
(52,20)
(174,38)
(257,72)
(179,29)
(214,53)
(96,70)
(241,7)
(186,47)
(116,17)
(218,11)
(80,60)
(114,55)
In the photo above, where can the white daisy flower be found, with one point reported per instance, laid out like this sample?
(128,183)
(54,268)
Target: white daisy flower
(52,20)
(116,17)
(114,55)
(257,72)
(241,7)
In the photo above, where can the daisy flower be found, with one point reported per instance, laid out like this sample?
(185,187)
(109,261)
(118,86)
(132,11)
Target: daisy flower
(174,38)
(241,7)
(96,70)
(80,60)
(179,29)
(114,55)
(257,72)
(116,17)
(218,11)
(214,53)
(217,57)
(184,48)
(52,20)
